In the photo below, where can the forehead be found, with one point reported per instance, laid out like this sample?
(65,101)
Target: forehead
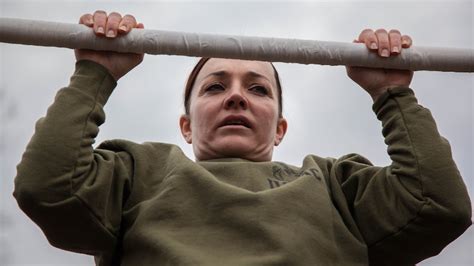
(235,67)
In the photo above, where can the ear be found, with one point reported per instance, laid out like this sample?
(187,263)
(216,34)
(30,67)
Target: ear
(282,125)
(185,125)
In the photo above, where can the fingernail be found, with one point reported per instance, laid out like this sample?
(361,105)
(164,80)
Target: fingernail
(90,21)
(123,28)
(100,30)
(110,33)
(405,42)
(385,53)
(395,49)
(373,45)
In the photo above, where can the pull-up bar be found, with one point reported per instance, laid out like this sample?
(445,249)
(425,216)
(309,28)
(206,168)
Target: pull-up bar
(75,36)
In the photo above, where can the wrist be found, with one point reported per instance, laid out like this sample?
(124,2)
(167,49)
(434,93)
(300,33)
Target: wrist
(93,79)
(376,96)
(390,92)
(376,93)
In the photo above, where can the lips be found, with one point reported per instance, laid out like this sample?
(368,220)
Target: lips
(235,120)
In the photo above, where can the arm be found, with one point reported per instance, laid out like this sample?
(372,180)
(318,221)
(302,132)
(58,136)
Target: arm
(61,184)
(413,208)
(72,192)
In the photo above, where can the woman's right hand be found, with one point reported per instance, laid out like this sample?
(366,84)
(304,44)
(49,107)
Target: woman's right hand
(110,26)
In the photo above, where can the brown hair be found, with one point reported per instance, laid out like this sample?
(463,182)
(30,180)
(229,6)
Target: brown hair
(197,68)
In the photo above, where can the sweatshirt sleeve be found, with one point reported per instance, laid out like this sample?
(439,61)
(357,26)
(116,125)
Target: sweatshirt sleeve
(72,192)
(413,208)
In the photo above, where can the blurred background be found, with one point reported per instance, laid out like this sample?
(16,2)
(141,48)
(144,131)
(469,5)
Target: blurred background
(328,114)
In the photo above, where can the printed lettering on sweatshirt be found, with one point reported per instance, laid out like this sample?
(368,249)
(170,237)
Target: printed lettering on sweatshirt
(282,172)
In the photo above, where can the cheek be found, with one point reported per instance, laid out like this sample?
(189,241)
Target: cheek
(270,109)
(201,116)
(268,116)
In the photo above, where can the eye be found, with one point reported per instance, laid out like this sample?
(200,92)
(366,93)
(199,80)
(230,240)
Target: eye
(215,88)
(259,90)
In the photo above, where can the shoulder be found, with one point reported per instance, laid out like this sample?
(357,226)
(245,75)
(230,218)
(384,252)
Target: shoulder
(331,162)
(353,158)
(341,167)
(149,162)
(146,149)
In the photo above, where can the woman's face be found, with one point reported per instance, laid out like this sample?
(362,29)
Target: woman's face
(233,111)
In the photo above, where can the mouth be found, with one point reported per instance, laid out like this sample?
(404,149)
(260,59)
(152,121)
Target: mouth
(235,121)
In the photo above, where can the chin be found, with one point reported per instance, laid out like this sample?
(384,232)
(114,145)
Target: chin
(248,151)
(236,150)
(235,146)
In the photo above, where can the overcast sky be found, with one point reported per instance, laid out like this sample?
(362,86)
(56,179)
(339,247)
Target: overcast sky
(328,114)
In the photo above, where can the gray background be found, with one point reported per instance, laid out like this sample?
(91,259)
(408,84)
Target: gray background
(328,114)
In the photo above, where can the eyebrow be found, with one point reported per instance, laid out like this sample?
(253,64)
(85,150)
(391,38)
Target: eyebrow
(224,74)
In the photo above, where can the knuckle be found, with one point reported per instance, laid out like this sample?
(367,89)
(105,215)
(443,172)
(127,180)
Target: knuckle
(112,25)
(395,37)
(115,15)
(383,44)
(395,31)
(372,37)
(406,40)
(84,18)
(395,41)
(381,31)
(366,32)
(129,18)
(366,35)
(100,12)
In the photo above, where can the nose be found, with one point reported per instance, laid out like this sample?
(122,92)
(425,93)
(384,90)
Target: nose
(236,100)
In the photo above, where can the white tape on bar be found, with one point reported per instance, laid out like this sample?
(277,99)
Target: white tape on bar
(74,36)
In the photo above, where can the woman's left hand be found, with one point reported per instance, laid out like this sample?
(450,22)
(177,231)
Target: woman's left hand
(376,80)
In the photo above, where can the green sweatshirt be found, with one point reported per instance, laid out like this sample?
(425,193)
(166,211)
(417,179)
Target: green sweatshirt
(148,204)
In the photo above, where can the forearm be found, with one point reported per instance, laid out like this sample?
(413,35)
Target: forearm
(416,205)
(62,140)
(420,156)
(59,159)
(423,187)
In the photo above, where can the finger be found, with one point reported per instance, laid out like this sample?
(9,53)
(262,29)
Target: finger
(100,19)
(127,24)
(87,20)
(368,37)
(406,41)
(140,26)
(383,41)
(113,21)
(395,41)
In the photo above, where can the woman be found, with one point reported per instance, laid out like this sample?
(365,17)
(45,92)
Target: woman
(148,204)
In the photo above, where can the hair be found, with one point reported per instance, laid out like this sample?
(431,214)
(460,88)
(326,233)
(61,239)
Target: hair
(197,68)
